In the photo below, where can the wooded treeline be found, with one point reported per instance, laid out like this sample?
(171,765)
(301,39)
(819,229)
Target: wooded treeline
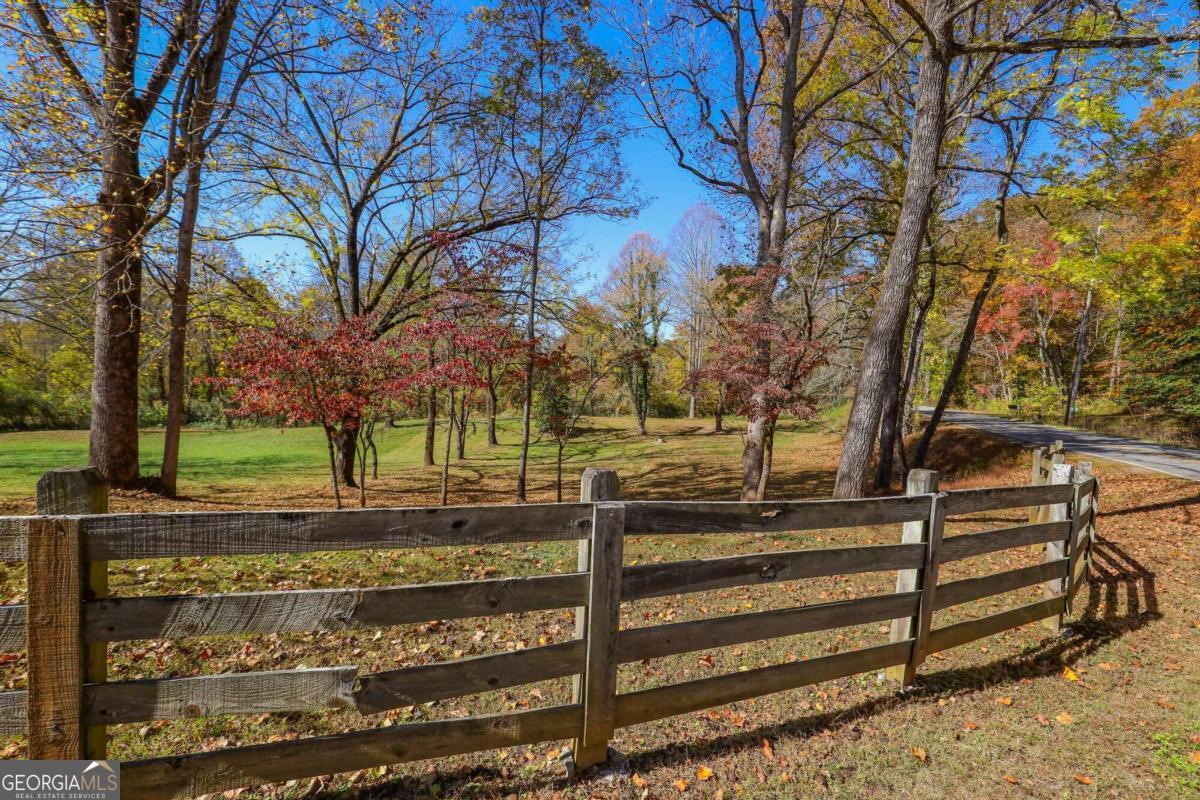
(345,214)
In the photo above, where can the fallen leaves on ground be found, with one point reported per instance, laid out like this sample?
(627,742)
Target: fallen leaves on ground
(920,754)
(1084,779)
(704,773)
(1064,718)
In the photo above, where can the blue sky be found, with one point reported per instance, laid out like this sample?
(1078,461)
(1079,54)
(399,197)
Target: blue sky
(668,191)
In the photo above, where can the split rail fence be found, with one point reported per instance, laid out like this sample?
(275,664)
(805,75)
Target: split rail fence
(69,619)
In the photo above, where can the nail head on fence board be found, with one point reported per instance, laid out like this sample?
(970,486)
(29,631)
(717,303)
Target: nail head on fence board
(71,491)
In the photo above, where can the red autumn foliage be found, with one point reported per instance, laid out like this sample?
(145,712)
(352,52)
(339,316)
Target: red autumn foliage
(770,386)
(341,376)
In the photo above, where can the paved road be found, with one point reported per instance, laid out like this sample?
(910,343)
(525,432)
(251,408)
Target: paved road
(1178,461)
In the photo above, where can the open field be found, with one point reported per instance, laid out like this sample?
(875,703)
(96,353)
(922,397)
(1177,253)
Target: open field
(253,467)
(1000,718)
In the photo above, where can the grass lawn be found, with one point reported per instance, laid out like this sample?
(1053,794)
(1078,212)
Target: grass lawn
(232,468)
(996,718)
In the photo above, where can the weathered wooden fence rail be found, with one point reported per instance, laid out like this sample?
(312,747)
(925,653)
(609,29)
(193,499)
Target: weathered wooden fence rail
(69,619)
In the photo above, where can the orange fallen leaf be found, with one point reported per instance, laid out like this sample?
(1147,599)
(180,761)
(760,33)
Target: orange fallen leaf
(1070,674)
(681,785)
(639,781)
(1004,701)
(1195,757)
(971,726)
(1041,718)
(1011,779)
(1065,718)
(704,773)
(767,750)
(1104,665)
(1084,779)
(920,754)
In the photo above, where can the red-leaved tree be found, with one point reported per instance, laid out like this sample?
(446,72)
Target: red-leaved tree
(765,389)
(335,376)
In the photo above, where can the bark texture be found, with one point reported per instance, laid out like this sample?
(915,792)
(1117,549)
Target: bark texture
(891,312)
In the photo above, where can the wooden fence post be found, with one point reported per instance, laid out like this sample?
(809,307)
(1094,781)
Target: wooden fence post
(1081,502)
(1058,512)
(597,485)
(923,531)
(1044,460)
(599,684)
(1035,479)
(76,491)
(54,640)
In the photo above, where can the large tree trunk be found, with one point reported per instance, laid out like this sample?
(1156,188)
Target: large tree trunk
(891,311)
(889,424)
(113,441)
(177,343)
(530,357)
(768,458)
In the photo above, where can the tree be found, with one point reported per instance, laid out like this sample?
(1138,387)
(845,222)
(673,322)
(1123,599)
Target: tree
(361,148)
(552,113)
(566,383)
(1024,98)
(111,71)
(695,254)
(206,110)
(794,340)
(333,376)
(736,89)
(950,34)
(636,295)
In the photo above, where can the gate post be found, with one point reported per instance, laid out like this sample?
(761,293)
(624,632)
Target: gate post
(921,531)
(76,491)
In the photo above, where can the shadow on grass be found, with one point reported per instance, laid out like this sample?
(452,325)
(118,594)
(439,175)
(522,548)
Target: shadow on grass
(1103,619)
(1166,505)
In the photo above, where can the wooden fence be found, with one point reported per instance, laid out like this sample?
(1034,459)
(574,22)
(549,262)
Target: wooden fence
(69,618)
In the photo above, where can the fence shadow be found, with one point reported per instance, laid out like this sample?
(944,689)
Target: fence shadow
(1102,619)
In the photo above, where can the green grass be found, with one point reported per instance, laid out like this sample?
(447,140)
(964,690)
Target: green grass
(216,463)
